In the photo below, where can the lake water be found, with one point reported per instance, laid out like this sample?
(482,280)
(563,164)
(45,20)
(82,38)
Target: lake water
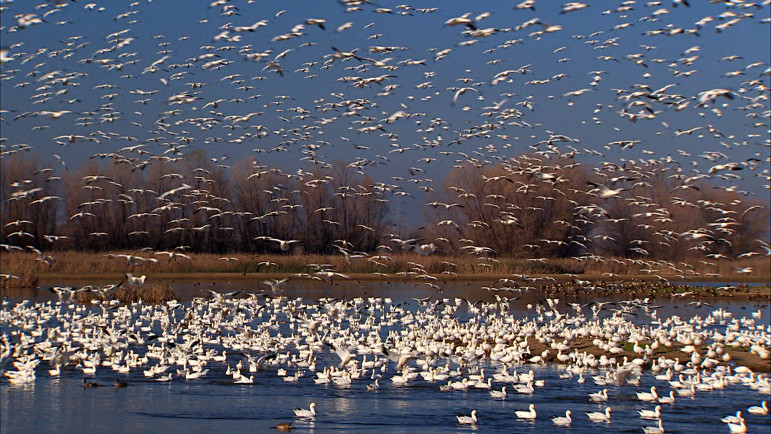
(214,404)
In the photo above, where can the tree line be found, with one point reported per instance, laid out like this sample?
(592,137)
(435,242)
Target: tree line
(530,206)
(189,202)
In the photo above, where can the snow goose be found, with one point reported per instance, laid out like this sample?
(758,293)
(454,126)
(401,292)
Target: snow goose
(195,375)
(732,419)
(310,413)
(738,427)
(654,429)
(399,380)
(597,416)
(687,392)
(668,399)
(484,385)
(529,414)
(651,414)
(344,353)
(563,421)
(460,385)
(525,388)
(666,376)
(245,380)
(501,394)
(468,420)
(164,379)
(762,410)
(645,396)
(600,396)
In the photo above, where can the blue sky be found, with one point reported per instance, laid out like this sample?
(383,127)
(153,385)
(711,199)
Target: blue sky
(184,30)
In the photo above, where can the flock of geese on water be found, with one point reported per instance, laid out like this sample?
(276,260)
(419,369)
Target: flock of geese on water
(86,91)
(453,344)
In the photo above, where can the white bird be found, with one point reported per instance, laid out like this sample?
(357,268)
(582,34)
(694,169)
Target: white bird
(738,427)
(468,420)
(195,375)
(732,419)
(310,413)
(316,22)
(54,115)
(135,281)
(668,399)
(600,396)
(606,192)
(645,396)
(276,284)
(563,421)
(286,244)
(345,355)
(659,429)
(651,414)
(245,380)
(500,394)
(597,416)
(529,414)
(762,410)
(165,378)
(461,20)
(572,7)
(461,91)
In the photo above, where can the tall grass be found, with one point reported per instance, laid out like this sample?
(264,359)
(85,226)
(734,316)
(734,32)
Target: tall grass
(25,278)
(158,293)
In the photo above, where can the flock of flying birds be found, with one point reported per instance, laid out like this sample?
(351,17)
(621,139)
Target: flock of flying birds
(359,81)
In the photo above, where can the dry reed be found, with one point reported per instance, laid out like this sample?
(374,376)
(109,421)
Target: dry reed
(24,279)
(152,294)
(25,266)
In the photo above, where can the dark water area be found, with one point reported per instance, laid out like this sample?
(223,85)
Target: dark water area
(61,405)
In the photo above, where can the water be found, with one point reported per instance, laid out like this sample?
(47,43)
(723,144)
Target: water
(215,404)
(63,406)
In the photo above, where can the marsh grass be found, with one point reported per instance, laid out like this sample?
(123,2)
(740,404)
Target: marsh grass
(159,293)
(24,279)
(126,294)
(25,266)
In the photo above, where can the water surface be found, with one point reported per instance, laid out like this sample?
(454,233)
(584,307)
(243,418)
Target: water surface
(215,404)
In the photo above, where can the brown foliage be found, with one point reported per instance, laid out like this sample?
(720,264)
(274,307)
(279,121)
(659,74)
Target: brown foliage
(543,205)
(127,294)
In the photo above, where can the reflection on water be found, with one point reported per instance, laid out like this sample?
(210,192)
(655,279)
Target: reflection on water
(407,292)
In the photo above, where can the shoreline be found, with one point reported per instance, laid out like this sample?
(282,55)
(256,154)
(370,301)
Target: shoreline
(552,276)
(634,286)
(384,277)
(369,277)
(390,263)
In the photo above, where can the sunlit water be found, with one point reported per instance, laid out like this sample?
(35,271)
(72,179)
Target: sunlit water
(215,404)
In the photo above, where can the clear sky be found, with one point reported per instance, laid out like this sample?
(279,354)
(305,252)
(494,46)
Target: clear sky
(575,74)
